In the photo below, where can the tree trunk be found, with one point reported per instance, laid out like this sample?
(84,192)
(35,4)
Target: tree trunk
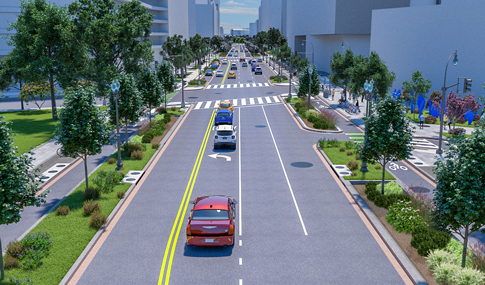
(126,133)
(1,262)
(383,175)
(21,100)
(85,158)
(165,100)
(465,245)
(150,112)
(454,122)
(53,98)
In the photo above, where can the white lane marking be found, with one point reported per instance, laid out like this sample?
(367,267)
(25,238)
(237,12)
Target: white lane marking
(260,84)
(228,85)
(222,86)
(235,86)
(247,85)
(286,175)
(209,86)
(239,147)
(254,84)
(276,99)
(198,105)
(241,85)
(207,105)
(217,104)
(260,100)
(266,84)
(240,282)
(234,102)
(215,86)
(240,261)
(243,102)
(251,101)
(268,100)
(240,242)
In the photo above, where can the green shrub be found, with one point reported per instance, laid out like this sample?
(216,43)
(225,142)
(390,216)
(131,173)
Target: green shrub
(11,262)
(287,100)
(320,124)
(91,193)
(456,248)
(349,153)
(342,149)
(143,131)
(131,147)
(136,139)
(444,273)
(111,160)
(36,247)
(438,257)
(357,156)
(62,210)
(391,188)
(467,276)
(371,185)
(90,207)
(334,143)
(147,138)
(161,110)
(173,108)
(353,174)
(377,167)
(297,105)
(155,145)
(426,240)
(403,217)
(120,195)
(137,155)
(349,144)
(353,165)
(107,180)
(14,248)
(97,220)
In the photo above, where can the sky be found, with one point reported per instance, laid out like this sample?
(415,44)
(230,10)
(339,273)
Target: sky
(237,14)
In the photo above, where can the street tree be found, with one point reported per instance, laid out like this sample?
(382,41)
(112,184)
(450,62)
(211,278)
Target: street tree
(304,78)
(388,134)
(456,106)
(418,85)
(216,42)
(359,73)
(275,38)
(459,197)
(35,91)
(340,67)
(18,183)
(12,74)
(129,102)
(383,78)
(173,49)
(166,76)
(116,38)
(261,39)
(82,128)
(44,38)
(150,89)
(197,44)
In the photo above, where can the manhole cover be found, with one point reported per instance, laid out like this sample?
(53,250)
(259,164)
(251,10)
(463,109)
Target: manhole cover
(135,173)
(418,163)
(339,167)
(193,97)
(301,164)
(61,165)
(344,173)
(130,179)
(52,171)
(260,126)
(412,157)
(44,177)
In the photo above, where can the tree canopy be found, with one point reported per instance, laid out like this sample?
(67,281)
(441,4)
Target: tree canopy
(150,88)
(304,77)
(166,76)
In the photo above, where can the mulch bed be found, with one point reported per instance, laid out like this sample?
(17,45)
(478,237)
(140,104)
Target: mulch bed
(402,239)
(169,125)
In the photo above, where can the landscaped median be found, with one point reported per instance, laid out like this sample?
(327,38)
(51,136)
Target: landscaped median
(71,229)
(313,119)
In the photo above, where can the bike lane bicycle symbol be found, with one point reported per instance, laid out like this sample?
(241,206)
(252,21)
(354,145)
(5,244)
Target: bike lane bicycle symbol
(395,166)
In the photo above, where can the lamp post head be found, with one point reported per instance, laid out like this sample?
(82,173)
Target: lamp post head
(455,60)
(310,70)
(371,85)
(342,44)
(366,85)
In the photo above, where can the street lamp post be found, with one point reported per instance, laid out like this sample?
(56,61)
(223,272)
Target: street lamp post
(313,49)
(291,75)
(368,88)
(115,87)
(310,71)
(198,81)
(346,43)
(443,96)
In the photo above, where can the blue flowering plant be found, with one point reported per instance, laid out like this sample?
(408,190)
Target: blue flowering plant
(36,247)
(107,180)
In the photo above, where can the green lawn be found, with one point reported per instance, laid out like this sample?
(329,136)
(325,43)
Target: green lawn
(449,135)
(71,233)
(33,128)
(337,157)
(415,118)
(277,81)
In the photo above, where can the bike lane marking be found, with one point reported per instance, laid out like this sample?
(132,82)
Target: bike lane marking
(395,263)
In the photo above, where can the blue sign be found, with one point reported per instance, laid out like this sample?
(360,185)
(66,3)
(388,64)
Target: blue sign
(421,103)
(469,116)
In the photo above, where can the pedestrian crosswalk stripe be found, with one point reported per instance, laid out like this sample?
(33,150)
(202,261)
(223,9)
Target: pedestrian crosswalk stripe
(234,102)
(251,101)
(222,86)
(215,86)
(217,104)
(254,84)
(276,98)
(207,105)
(260,101)
(266,84)
(228,85)
(243,102)
(260,84)
(209,86)
(247,85)
(241,85)
(235,86)
(198,105)
(267,99)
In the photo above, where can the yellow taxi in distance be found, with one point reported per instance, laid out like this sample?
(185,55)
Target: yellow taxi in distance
(231,74)
(226,105)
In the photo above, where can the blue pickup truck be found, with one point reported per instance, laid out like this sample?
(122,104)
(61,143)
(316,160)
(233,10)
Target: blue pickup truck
(223,117)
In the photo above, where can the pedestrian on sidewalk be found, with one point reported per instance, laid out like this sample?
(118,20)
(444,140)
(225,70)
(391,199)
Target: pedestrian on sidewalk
(445,121)
(357,104)
(421,121)
(333,94)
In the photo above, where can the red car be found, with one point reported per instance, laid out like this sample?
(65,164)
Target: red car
(242,59)
(212,221)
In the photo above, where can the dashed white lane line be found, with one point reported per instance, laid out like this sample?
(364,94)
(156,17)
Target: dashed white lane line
(240,242)
(198,105)
(286,175)
(207,105)
(260,100)
(240,261)
(240,282)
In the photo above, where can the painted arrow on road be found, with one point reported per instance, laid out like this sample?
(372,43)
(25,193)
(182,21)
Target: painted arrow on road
(216,155)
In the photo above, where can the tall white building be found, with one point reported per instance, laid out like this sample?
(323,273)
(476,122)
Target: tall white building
(270,14)
(207,17)
(431,33)
(252,29)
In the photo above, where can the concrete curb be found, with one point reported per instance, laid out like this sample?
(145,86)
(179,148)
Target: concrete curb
(401,257)
(88,248)
(338,131)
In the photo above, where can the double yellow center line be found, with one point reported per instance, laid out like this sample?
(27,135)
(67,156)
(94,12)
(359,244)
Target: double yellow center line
(177,225)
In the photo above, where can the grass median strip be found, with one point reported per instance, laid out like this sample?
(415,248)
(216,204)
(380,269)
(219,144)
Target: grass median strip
(71,233)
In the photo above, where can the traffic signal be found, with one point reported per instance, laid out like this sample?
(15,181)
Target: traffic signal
(467,86)
(296,53)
